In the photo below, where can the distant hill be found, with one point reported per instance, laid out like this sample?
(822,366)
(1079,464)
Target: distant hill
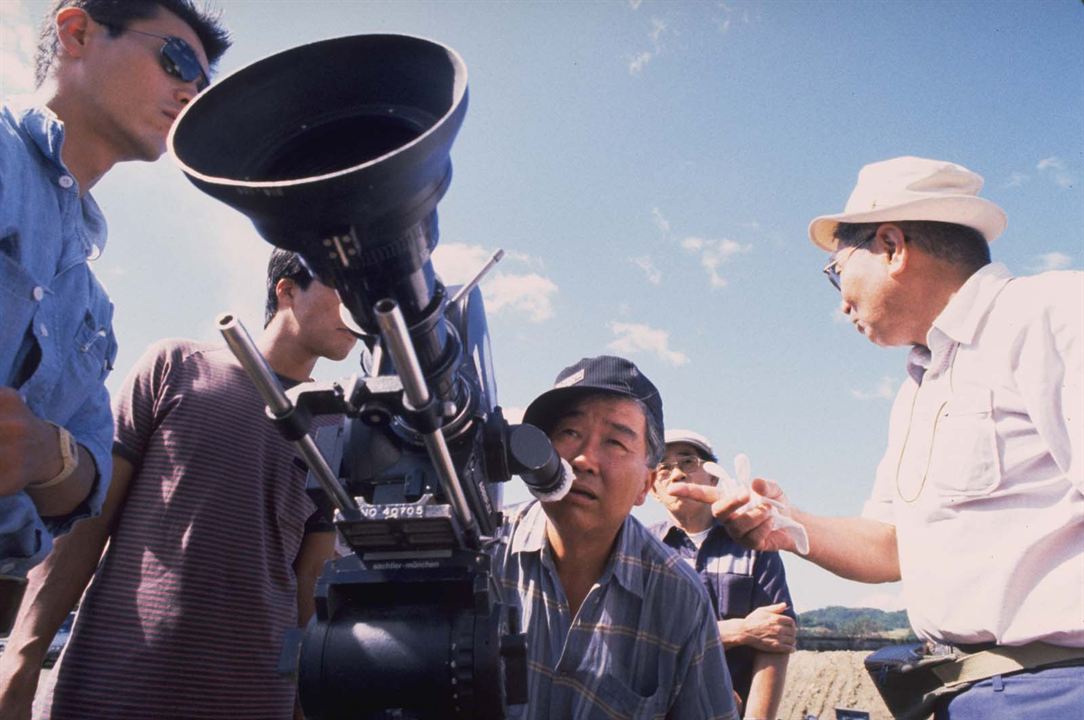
(855,622)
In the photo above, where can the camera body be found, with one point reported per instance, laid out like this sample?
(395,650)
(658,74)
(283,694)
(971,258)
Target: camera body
(339,150)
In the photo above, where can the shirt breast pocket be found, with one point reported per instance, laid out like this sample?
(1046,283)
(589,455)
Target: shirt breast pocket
(95,349)
(619,700)
(735,593)
(964,458)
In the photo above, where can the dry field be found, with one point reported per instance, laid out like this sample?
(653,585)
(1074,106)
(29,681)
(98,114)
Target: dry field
(820,682)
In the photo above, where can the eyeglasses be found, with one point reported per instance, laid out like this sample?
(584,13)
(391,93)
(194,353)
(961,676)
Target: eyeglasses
(833,269)
(177,57)
(687,465)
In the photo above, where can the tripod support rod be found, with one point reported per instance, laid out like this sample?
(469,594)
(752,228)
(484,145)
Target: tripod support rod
(397,344)
(280,407)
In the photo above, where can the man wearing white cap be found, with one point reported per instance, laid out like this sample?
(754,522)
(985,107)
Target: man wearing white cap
(978,503)
(748,588)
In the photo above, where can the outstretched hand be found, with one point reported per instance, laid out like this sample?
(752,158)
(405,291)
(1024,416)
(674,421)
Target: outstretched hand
(753,526)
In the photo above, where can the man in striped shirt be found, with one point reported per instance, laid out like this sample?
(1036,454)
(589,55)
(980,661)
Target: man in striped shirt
(214,546)
(617,625)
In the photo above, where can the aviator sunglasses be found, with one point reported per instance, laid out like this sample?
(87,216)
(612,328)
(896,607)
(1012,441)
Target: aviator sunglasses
(177,57)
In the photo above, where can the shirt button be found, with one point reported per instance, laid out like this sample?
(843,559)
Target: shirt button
(38,293)
(44,330)
(66,181)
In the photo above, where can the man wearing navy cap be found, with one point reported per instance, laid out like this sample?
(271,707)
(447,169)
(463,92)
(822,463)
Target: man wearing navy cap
(618,626)
(748,588)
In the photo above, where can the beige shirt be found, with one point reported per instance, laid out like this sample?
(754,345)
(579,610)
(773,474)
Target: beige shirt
(983,475)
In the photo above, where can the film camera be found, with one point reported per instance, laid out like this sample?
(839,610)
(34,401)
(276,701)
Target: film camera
(339,150)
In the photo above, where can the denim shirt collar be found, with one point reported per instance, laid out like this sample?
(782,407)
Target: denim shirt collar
(46,131)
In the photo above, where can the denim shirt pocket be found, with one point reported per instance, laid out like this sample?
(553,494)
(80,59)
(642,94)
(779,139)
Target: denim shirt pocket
(964,458)
(89,361)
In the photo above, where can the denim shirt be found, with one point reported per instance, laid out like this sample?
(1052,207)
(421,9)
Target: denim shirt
(56,322)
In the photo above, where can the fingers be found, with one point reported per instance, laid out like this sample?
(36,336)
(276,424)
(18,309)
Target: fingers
(767,488)
(691,491)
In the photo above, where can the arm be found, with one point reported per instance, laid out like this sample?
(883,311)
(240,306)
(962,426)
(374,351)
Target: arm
(855,548)
(316,549)
(767,629)
(52,591)
(766,691)
(31,450)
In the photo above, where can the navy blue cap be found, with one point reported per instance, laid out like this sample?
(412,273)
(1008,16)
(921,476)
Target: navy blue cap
(604,374)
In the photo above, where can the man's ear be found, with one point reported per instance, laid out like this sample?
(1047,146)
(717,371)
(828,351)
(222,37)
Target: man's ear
(72,30)
(897,250)
(649,486)
(284,293)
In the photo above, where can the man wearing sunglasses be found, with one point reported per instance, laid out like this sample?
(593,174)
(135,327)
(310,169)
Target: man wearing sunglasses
(978,503)
(748,588)
(213,544)
(112,76)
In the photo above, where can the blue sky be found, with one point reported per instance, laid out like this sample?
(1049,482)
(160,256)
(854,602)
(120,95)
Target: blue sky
(650,168)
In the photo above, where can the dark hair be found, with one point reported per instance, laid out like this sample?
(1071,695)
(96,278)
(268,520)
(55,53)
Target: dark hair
(118,13)
(283,265)
(963,246)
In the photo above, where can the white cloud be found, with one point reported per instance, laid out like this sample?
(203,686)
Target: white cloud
(636,337)
(1017,179)
(638,62)
(885,390)
(531,294)
(660,221)
(18,38)
(1056,169)
(635,4)
(713,254)
(658,27)
(653,274)
(513,414)
(1051,261)
(1051,163)
(528,293)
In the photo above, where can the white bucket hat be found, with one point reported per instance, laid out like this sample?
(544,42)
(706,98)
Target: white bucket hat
(911,188)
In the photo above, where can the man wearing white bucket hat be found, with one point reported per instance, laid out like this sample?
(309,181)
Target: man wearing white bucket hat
(978,503)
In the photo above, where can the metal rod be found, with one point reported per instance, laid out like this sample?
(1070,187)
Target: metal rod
(267,385)
(397,343)
(465,290)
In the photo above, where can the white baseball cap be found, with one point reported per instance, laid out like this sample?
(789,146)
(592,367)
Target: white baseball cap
(913,188)
(695,439)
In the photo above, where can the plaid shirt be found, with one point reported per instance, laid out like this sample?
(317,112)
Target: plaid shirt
(644,644)
(738,581)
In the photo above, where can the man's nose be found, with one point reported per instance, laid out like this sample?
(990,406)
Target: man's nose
(185,92)
(585,457)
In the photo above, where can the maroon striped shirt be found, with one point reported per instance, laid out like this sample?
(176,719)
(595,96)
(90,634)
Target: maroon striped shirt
(186,614)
